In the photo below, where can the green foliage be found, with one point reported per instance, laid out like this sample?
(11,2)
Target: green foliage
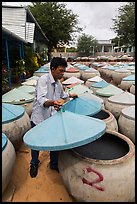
(71,49)
(31,61)
(58,23)
(60,49)
(124,24)
(20,67)
(87,44)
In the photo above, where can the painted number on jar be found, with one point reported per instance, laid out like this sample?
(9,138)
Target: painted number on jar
(94,182)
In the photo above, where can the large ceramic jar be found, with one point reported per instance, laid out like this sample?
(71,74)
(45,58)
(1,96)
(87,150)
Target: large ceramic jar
(89,73)
(126,122)
(8,161)
(19,97)
(101,171)
(79,89)
(108,91)
(27,89)
(92,80)
(127,82)
(41,71)
(70,81)
(108,118)
(116,103)
(15,123)
(132,88)
(118,74)
(99,85)
(71,72)
(109,71)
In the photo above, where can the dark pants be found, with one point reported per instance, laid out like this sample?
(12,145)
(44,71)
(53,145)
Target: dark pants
(35,155)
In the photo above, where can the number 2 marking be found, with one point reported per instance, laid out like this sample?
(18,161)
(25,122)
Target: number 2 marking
(93,183)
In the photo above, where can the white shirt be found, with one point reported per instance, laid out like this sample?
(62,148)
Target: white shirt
(46,89)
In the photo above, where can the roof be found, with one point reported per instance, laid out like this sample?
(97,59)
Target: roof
(33,18)
(12,35)
(30,18)
(105,42)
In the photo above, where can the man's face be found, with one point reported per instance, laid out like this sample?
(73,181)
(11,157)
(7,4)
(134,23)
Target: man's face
(58,72)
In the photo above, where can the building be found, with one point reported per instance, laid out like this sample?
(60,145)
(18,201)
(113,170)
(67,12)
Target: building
(106,46)
(19,28)
(20,21)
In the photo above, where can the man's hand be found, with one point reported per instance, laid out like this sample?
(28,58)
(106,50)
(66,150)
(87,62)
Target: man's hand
(58,104)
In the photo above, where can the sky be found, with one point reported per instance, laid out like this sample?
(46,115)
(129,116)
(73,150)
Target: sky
(94,17)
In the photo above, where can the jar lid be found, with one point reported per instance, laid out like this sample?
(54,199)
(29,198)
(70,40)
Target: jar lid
(129,112)
(72,70)
(83,106)
(11,112)
(95,79)
(79,89)
(27,89)
(73,130)
(92,97)
(16,96)
(129,78)
(100,84)
(123,98)
(4,141)
(72,80)
(30,82)
(122,70)
(42,70)
(109,91)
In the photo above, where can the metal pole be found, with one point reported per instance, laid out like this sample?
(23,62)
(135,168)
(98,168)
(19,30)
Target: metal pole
(23,50)
(20,51)
(8,63)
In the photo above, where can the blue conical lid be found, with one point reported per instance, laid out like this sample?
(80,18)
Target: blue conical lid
(129,78)
(42,70)
(11,112)
(83,68)
(100,84)
(4,141)
(79,89)
(83,106)
(16,96)
(92,97)
(113,67)
(90,70)
(73,130)
(131,67)
(109,91)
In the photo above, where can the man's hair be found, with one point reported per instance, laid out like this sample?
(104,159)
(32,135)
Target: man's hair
(58,61)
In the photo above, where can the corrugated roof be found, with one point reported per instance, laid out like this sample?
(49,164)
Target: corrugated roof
(32,18)
(8,32)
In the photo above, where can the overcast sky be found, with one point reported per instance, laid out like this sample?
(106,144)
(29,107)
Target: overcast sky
(94,17)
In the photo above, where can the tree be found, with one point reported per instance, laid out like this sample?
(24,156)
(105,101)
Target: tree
(58,23)
(124,24)
(87,45)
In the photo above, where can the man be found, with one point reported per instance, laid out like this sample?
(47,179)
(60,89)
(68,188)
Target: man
(47,101)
